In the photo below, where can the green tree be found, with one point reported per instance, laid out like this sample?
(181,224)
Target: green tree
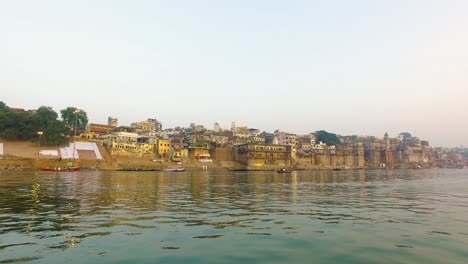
(24,126)
(45,116)
(70,113)
(46,121)
(9,122)
(9,133)
(54,134)
(327,138)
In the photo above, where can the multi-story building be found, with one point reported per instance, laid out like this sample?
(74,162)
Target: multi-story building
(253,155)
(306,143)
(126,143)
(99,129)
(144,126)
(285,138)
(199,129)
(163,149)
(256,140)
(218,128)
(268,137)
(124,137)
(236,129)
(219,139)
(288,139)
(322,155)
(404,150)
(94,131)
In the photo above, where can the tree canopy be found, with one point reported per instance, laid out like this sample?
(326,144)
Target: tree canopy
(70,113)
(26,125)
(327,138)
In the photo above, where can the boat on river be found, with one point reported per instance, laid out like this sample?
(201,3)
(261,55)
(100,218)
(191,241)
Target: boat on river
(178,169)
(285,170)
(60,169)
(341,168)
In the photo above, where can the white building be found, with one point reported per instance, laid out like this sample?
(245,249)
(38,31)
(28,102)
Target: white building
(218,128)
(285,138)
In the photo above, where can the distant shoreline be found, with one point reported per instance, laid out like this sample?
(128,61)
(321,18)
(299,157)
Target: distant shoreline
(16,164)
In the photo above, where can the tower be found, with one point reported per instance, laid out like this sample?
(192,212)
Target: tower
(112,121)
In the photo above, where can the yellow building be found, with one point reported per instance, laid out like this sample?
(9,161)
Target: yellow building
(199,153)
(261,155)
(146,148)
(124,149)
(163,147)
(91,135)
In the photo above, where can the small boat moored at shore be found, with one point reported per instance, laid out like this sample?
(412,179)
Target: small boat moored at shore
(285,170)
(60,169)
(342,168)
(178,169)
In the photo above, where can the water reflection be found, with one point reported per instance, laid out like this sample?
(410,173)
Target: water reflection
(50,212)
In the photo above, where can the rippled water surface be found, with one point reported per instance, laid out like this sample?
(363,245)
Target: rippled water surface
(413,216)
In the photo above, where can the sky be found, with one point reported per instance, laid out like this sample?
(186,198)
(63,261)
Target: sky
(349,67)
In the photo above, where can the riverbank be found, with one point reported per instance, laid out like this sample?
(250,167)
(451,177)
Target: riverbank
(134,164)
(116,164)
(126,164)
(25,155)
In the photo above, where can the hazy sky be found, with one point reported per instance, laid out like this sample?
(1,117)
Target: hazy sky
(350,67)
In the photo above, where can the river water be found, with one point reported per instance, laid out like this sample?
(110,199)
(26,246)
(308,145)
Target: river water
(395,216)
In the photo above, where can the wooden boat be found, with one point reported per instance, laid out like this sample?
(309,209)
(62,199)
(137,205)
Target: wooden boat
(179,169)
(60,169)
(341,168)
(285,170)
